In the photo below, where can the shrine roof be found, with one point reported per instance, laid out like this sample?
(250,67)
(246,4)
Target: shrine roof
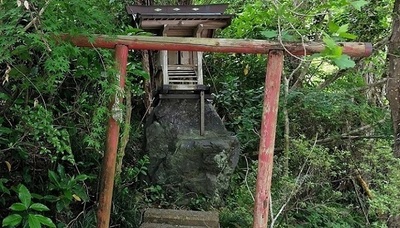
(189,16)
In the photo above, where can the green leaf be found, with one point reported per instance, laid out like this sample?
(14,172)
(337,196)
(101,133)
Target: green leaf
(348,35)
(33,222)
(24,195)
(51,198)
(287,37)
(343,29)
(359,4)
(45,221)
(18,207)
(12,220)
(54,178)
(269,33)
(81,177)
(333,27)
(36,196)
(80,191)
(39,207)
(336,52)
(60,206)
(344,62)
(329,42)
(2,187)
(61,171)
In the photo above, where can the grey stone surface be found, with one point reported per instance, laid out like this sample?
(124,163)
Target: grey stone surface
(182,217)
(160,225)
(182,159)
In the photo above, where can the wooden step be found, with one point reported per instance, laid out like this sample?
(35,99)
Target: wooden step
(183,81)
(181,72)
(194,76)
(180,218)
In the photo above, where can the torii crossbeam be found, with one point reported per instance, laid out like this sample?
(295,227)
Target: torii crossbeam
(274,68)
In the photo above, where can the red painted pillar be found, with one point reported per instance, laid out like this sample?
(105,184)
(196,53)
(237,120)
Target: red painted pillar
(267,140)
(110,155)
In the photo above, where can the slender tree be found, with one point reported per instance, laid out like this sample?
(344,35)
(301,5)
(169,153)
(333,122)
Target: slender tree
(393,94)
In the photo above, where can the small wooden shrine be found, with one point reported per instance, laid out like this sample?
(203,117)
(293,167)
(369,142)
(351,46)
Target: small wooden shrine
(179,74)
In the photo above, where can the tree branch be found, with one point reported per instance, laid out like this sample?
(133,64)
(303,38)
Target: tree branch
(33,21)
(369,86)
(350,134)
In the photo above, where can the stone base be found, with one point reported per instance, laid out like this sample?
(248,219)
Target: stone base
(181,159)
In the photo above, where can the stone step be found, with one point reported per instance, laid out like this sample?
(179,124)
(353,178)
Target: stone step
(180,218)
(158,225)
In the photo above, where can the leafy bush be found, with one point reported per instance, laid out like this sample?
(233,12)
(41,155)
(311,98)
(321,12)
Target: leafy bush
(27,212)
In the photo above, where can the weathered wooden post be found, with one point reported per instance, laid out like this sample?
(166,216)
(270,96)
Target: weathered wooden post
(110,155)
(267,140)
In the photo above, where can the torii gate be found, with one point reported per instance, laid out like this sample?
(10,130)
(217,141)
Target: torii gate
(274,68)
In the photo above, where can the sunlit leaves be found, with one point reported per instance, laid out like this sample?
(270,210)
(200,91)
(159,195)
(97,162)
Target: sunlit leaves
(274,34)
(340,31)
(334,52)
(269,33)
(359,4)
(344,62)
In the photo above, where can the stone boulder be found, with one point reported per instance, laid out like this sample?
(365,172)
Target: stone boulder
(181,159)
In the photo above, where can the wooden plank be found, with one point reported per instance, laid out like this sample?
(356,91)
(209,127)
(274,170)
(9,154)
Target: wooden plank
(202,130)
(217,9)
(180,67)
(199,57)
(185,58)
(184,32)
(172,58)
(355,49)
(164,65)
(152,24)
(188,87)
(186,72)
(177,77)
(171,81)
(164,58)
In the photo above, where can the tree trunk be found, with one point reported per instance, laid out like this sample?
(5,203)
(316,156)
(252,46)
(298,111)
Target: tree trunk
(148,95)
(393,93)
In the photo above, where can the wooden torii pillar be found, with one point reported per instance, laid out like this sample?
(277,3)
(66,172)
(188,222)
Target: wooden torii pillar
(274,69)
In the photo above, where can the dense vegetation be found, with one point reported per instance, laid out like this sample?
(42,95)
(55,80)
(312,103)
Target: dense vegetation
(334,156)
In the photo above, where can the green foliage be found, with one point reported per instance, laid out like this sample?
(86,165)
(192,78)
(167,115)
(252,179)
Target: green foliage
(54,107)
(26,212)
(359,4)
(242,115)
(383,171)
(320,188)
(130,197)
(239,209)
(37,124)
(69,188)
(54,99)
